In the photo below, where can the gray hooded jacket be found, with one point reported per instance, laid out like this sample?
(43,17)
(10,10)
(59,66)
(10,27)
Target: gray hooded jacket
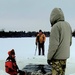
(60,36)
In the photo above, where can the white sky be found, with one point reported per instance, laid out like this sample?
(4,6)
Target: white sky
(32,15)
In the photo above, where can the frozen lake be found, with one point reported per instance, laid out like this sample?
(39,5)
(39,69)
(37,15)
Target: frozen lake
(25,50)
(24,47)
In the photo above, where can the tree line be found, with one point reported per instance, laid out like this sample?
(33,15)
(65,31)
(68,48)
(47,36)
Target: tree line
(4,34)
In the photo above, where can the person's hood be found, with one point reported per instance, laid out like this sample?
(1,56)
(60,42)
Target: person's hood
(56,15)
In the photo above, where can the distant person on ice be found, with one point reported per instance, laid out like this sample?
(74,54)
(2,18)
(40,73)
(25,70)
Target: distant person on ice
(11,65)
(40,40)
(60,42)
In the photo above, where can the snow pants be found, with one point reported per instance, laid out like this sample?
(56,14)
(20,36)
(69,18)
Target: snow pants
(40,48)
(58,67)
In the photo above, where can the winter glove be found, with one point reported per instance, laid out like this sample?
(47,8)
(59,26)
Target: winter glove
(43,42)
(49,62)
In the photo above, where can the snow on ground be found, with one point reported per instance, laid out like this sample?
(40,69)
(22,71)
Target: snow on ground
(21,63)
(70,70)
(25,50)
(3,72)
(72,74)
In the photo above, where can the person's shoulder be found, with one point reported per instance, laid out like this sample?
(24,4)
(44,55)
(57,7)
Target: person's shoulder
(43,34)
(9,58)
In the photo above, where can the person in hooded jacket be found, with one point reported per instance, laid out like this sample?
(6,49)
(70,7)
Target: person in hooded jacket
(59,43)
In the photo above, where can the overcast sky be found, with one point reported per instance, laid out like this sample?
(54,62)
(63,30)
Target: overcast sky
(32,15)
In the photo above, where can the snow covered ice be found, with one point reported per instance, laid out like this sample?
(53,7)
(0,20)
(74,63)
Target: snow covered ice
(3,72)
(25,53)
(72,74)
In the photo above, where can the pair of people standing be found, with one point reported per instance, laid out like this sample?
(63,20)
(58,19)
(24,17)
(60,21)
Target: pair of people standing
(59,43)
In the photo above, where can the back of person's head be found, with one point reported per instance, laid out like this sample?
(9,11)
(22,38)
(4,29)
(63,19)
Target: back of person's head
(40,30)
(56,15)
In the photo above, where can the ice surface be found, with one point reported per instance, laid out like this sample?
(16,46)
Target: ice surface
(3,73)
(25,50)
(72,74)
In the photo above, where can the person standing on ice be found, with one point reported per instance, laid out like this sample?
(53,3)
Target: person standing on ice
(40,40)
(60,42)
